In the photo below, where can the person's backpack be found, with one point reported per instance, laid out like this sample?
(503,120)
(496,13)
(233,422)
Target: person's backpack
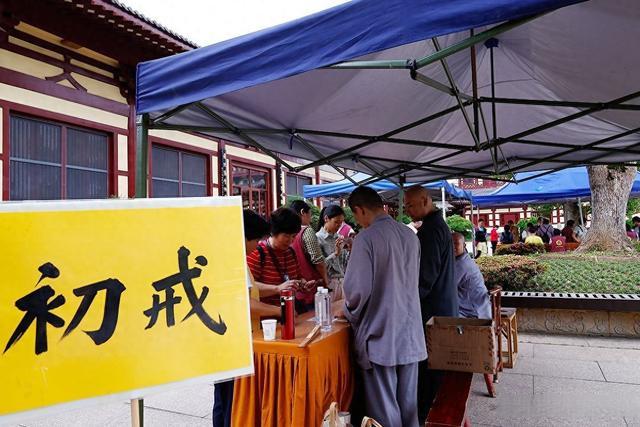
(546,233)
(545,238)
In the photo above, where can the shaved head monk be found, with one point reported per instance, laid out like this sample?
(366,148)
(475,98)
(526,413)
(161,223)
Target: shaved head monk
(438,293)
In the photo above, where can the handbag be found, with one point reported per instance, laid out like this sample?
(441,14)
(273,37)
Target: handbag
(370,422)
(332,418)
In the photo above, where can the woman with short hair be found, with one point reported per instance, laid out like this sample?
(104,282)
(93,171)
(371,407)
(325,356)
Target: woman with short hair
(273,263)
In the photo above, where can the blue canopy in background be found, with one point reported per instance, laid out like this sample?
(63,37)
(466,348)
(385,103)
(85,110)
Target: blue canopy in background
(345,186)
(558,186)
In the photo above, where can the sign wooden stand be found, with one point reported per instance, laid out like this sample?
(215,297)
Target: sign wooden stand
(137,412)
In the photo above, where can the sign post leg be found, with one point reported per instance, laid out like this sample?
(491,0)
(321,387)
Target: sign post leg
(137,412)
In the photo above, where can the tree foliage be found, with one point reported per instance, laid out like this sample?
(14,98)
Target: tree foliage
(460,225)
(523,223)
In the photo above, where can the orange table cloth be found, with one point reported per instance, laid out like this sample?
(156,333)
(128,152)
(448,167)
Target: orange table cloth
(294,386)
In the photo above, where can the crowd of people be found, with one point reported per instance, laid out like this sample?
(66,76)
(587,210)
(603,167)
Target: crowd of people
(541,232)
(387,281)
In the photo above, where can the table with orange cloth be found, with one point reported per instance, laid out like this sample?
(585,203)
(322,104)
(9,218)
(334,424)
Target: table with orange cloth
(294,386)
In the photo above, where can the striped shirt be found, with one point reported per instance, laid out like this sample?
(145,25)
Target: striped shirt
(267,272)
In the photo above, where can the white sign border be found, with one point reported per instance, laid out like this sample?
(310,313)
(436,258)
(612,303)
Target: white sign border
(125,204)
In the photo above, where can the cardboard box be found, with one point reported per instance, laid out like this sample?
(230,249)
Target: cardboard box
(465,345)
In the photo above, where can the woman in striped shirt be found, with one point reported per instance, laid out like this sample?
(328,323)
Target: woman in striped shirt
(273,264)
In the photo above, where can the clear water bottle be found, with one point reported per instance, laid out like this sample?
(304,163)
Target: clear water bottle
(327,315)
(318,302)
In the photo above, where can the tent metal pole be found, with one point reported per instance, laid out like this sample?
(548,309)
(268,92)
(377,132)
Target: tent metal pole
(218,129)
(244,136)
(376,139)
(444,203)
(142,155)
(319,154)
(456,93)
(142,170)
(430,168)
(478,38)
(551,103)
(419,77)
(457,47)
(474,86)
(600,107)
(582,147)
(580,212)
(582,162)
(562,145)
(382,138)
(492,43)
(403,168)
(373,169)
(170,114)
(401,198)
(372,65)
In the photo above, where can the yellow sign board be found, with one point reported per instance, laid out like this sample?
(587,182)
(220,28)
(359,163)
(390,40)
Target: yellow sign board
(119,298)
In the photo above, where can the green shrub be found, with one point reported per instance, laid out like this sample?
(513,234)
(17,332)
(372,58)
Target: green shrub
(460,225)
(633,207)
(520,249)
(512,273)
(546,210)
(404,218)
(522,224)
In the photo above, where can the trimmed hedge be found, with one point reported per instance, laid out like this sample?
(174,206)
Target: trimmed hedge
(511,272)
(520,249)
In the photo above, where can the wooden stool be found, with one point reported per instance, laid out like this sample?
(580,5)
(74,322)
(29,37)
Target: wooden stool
(509,322)
(495,298)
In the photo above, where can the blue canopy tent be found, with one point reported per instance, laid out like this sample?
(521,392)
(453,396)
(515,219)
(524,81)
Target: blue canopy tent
(567,184)
(408,88)
(346,186)
(538,187)
(384,186)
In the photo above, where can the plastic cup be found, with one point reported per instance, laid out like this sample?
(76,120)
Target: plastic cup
(269,329)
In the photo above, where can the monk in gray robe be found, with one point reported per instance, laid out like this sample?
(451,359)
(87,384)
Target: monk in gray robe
(383,307)
(473,297)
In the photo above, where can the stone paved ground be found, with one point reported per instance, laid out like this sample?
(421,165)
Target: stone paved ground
(558,381)
(564,381)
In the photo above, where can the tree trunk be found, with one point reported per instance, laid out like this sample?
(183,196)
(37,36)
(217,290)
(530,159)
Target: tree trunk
(610,188)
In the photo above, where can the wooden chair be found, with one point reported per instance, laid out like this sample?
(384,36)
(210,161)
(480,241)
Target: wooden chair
(496,306)
(509,322)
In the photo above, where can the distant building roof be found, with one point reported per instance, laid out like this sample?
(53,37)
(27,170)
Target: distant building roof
(152,22)
(116,30)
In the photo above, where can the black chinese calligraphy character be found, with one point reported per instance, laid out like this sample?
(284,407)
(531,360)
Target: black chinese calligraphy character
(48,270)
(185,277)
(114,289)
(37,307)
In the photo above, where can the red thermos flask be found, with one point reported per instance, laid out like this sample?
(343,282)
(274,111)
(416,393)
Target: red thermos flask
(287,317)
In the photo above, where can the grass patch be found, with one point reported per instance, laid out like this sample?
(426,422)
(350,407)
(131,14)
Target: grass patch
(590,273)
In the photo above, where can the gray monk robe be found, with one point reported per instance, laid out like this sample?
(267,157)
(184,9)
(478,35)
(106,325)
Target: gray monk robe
(383,306)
